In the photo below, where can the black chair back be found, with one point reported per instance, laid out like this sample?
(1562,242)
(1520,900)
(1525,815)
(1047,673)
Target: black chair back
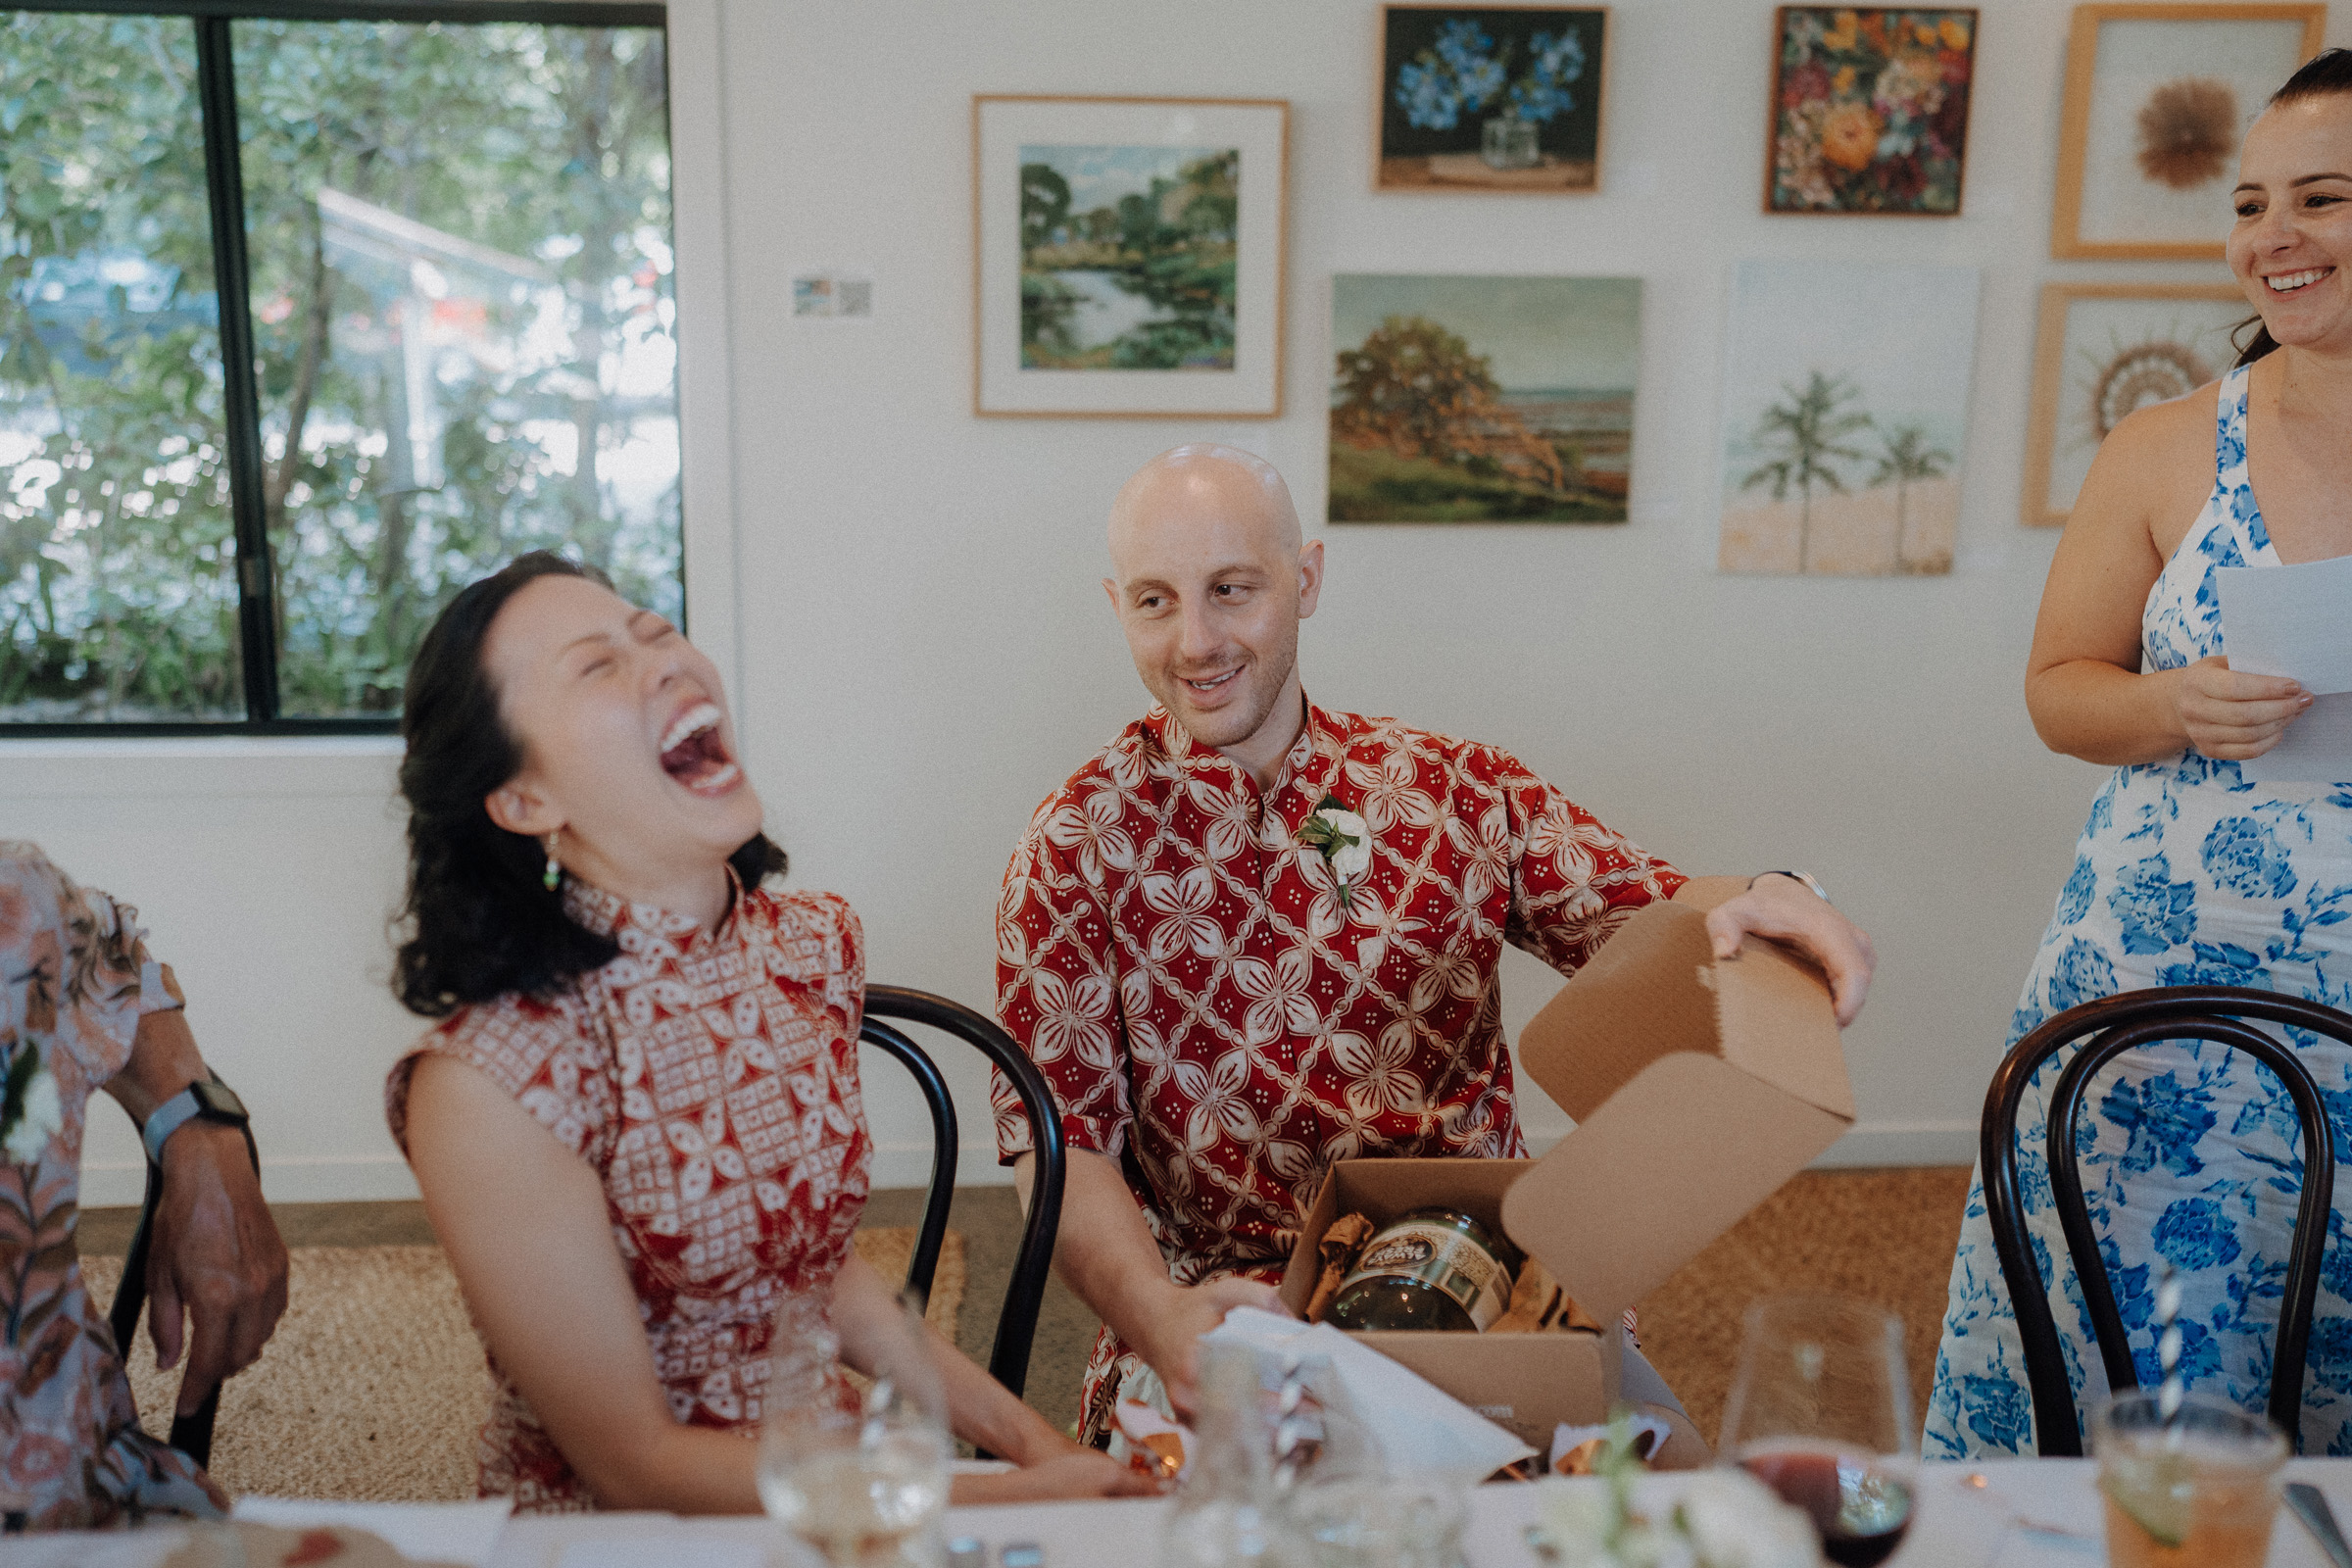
(1016,1323)
(2108,1028)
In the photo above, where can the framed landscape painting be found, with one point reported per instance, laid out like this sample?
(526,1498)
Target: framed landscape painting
(1846,418)
(1483,399)
(1128,256)
(2104,350)
(1491,98)
(2158,98)
(1869,109)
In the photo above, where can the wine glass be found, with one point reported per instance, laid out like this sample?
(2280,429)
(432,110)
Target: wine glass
(856,1468)
(1819,1411)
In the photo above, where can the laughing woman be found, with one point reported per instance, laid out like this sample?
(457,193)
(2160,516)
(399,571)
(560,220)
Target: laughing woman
(637,1125)
(2189,873)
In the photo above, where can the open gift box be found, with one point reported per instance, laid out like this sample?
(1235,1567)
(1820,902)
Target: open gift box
(1697,1088)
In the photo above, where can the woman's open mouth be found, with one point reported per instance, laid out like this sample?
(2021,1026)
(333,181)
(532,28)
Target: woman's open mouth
(693,753)
(2289,282)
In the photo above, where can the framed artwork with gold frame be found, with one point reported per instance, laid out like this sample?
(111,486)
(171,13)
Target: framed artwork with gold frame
(2102,351)
(2158,98)
(1869,109)
(1491,99)
(1128,256)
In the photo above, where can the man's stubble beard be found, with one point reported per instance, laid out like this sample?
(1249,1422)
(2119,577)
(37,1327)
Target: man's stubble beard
(1229,728)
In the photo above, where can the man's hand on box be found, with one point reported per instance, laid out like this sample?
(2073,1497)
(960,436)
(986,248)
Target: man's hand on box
(1172,1344)
(1787,910)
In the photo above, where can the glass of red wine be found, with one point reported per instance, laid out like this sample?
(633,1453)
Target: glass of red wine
(1819,1411)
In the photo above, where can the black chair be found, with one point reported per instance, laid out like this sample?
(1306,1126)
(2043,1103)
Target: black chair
(2108,1028)
(1016,1325)
(191,1433)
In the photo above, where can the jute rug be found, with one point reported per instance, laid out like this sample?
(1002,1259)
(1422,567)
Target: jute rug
(374,1387)
(1883,1236)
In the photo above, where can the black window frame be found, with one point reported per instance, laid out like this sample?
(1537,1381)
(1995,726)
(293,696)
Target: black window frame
(224,193)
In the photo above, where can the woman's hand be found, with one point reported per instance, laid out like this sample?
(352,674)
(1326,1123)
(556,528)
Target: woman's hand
(1075,1472)
(2230,715)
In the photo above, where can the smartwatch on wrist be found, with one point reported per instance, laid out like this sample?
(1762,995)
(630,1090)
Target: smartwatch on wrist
(1807,878)
(208,1099)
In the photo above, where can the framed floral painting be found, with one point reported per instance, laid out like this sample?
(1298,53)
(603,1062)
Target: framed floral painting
(1128,256)
(1491,98)
(2158,98)
(1869,109)
(2103,351)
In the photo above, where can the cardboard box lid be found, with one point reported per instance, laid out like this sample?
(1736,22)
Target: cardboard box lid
(1699,1088)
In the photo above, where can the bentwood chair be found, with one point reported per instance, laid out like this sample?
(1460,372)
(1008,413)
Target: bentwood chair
(191,1433)
(1016,1323)
(2106,1029)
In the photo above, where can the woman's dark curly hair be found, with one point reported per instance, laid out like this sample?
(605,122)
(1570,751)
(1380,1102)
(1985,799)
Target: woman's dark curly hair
(2324,75)
(480,923)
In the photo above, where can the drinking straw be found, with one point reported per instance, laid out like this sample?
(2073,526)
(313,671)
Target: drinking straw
(2170,1392)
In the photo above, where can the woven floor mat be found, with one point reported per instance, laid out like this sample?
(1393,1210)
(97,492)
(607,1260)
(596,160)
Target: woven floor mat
(373,1386)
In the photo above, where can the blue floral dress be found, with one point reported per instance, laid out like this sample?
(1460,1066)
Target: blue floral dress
(2187,874)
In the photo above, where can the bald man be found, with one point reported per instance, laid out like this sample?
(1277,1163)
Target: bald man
(1254,937)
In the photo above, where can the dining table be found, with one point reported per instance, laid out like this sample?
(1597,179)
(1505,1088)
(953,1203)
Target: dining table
(2017,1513)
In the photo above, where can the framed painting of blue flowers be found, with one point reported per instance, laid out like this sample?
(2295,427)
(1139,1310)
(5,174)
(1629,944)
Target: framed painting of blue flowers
(1491,98)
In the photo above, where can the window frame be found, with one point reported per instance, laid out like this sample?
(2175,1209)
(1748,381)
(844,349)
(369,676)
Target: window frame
(224,193)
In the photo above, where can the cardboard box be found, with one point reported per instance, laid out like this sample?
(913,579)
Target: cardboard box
(1699,1088)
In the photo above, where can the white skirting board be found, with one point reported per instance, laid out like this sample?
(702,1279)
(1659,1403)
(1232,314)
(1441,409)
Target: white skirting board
(367,1179)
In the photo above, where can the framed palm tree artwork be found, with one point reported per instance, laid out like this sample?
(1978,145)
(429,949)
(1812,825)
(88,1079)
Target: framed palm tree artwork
(1846,418)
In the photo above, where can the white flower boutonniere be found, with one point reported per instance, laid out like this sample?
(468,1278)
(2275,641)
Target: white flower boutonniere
(1346,843)
(30,1112)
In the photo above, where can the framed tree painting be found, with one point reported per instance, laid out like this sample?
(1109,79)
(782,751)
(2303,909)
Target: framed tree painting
(2158,98)
(2104,350)
(1846,418)
(1869,109)
(1128,256)
(1491,98)
(1474,399)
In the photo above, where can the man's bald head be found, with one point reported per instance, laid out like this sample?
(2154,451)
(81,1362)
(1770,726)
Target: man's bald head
(1211,583)
(1187,486)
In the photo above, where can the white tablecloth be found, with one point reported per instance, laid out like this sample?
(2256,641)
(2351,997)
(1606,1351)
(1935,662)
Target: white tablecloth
(2024,1515)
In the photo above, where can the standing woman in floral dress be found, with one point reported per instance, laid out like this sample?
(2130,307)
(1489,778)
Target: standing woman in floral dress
(2189,873)
(637,1126)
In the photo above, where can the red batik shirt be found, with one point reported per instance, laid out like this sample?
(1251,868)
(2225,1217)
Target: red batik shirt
(710,1078)
(1182,970)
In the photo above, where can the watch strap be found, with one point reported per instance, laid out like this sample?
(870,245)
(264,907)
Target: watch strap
(183,1107)
(1807,878)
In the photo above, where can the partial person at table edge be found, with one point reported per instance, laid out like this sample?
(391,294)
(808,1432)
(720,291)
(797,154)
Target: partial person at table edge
(83,1007)
(1222,1007)
(637,1125)
(2187,872)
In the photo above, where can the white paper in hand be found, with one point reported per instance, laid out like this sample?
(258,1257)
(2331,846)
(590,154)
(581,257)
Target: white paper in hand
(1417,1426)
(2296,621)
(2290,620)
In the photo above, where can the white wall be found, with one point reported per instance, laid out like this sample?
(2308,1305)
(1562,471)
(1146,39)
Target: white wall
(923,651)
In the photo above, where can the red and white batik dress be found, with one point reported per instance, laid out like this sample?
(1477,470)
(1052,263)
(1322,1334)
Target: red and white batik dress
(712,1080)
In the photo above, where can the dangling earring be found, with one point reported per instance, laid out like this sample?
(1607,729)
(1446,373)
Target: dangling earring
(555,868)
